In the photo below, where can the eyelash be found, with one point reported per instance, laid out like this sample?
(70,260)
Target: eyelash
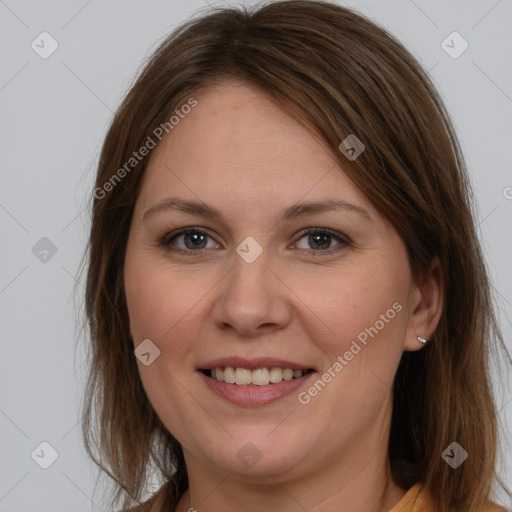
(344,241)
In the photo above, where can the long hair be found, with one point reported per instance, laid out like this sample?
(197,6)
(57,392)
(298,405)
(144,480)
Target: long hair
(337,73)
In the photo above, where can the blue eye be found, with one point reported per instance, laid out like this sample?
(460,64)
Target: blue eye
(196,241)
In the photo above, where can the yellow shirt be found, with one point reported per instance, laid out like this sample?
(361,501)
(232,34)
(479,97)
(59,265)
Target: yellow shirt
(416,500)
(413,501)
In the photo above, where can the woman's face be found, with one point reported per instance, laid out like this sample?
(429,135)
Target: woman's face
(248,288)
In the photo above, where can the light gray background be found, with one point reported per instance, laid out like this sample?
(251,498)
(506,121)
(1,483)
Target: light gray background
(54,114)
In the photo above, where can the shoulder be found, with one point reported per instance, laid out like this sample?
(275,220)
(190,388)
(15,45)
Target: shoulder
(417,499)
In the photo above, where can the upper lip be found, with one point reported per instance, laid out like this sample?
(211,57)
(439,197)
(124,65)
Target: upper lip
(252,364)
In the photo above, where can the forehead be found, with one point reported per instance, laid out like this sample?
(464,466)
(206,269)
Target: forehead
(239,125)
(238,145)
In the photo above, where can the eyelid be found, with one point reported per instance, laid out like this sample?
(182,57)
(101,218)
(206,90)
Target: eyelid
(327,231)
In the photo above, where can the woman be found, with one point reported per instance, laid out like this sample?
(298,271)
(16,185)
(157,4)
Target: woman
(287,301)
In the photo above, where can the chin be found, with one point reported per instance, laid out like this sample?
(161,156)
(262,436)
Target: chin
(261,455)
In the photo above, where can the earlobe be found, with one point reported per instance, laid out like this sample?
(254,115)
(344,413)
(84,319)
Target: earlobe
(426,307)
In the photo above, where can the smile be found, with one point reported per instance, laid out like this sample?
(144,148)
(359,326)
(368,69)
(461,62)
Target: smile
(256,386)
(257,377)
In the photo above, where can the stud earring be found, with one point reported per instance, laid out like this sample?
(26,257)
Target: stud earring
(422,340)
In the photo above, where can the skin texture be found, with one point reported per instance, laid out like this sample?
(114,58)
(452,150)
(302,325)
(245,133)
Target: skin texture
(239,152)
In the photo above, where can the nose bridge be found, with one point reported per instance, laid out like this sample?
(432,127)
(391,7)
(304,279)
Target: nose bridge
(251,295)
(250,277)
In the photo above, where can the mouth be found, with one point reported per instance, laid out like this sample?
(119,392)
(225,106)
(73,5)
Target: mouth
(254,382)
(261,376)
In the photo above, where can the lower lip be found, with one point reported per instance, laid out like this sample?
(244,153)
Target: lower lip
(251,395)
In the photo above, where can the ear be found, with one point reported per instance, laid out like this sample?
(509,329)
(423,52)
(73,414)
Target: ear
(425,306)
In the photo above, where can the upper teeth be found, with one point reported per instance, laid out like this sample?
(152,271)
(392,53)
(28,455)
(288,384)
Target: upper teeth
(258,377)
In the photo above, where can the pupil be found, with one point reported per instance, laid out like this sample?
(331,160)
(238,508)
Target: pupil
(196,237)
(319,236)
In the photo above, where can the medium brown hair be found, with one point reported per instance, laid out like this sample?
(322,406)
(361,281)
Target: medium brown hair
(337,73)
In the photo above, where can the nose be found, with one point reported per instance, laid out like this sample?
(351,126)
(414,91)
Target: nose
(253,299)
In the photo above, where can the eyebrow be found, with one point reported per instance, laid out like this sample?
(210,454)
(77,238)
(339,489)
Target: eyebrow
(202,209)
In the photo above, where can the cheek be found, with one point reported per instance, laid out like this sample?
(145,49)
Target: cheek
(364,310)
(159,298)
(363,303)
(161,308)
